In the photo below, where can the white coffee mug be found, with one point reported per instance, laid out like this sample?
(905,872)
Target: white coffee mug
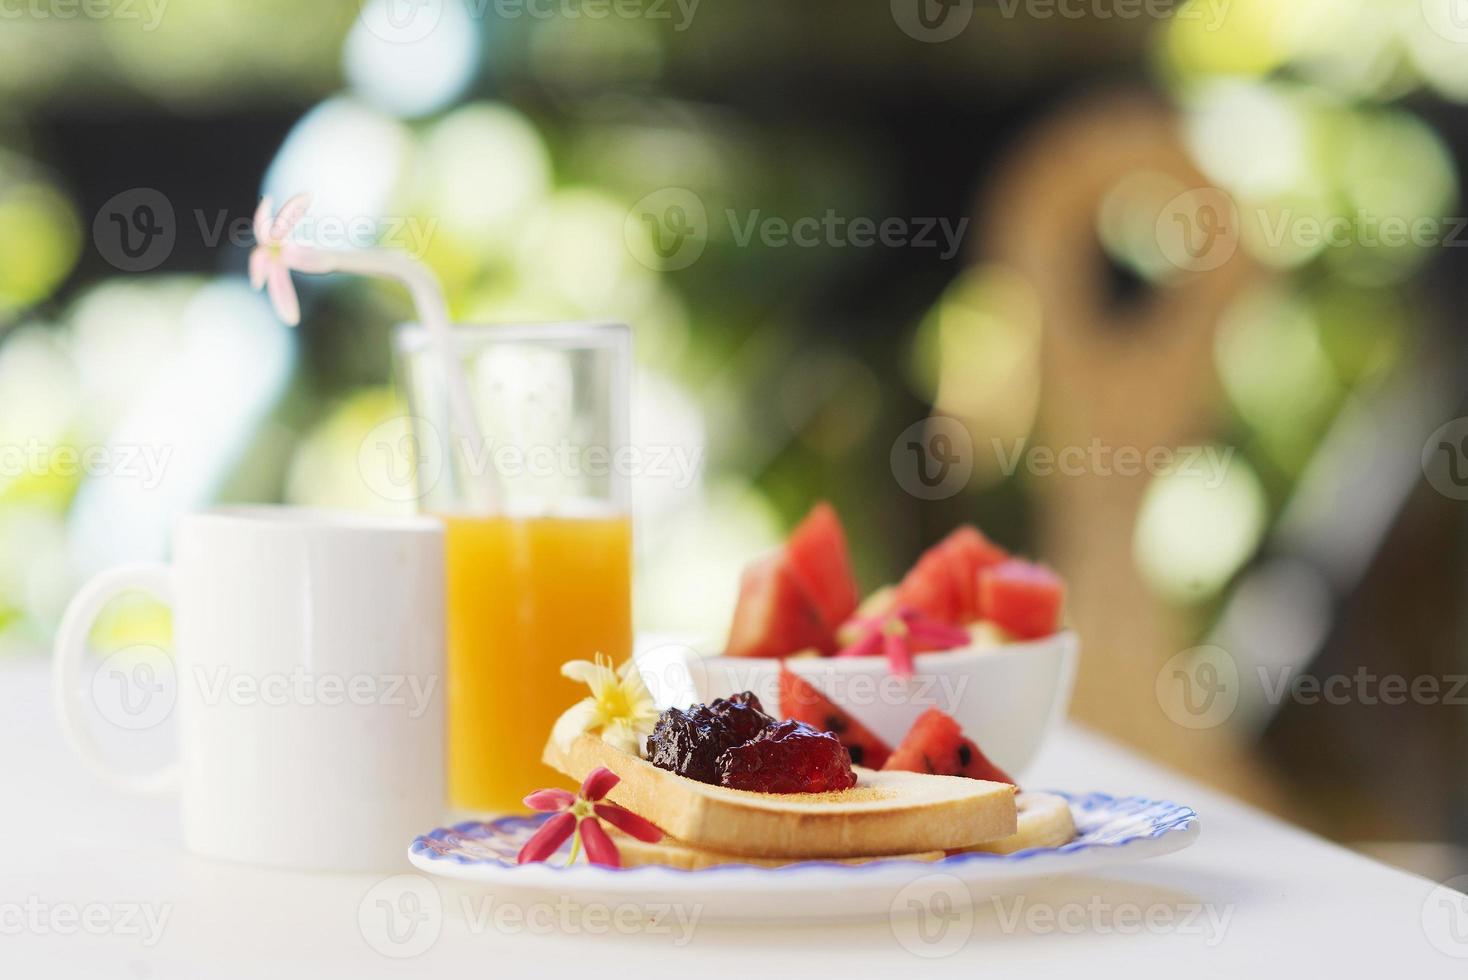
(308,660)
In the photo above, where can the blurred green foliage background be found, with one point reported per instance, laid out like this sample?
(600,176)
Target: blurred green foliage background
(510,143)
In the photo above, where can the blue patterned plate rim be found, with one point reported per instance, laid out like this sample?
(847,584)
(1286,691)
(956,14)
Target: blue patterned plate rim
(1094,813)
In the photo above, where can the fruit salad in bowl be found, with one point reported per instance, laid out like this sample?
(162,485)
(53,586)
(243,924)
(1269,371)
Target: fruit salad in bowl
(970,630)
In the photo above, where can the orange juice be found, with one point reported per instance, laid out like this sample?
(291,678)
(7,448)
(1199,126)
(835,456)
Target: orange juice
(525,594)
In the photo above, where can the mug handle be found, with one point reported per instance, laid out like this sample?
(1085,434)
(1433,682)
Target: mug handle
(66,670)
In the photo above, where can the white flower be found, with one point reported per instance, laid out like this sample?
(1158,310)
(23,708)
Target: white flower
(619,708)
(275,255)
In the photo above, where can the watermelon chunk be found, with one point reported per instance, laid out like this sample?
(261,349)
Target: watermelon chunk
(817,550)
(1022,597)
(802,702)
(969,551)
(935,744)
(775,616)
(943,584)
(929,587)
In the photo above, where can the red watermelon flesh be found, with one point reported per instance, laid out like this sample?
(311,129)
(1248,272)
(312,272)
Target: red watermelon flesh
(1022,597)
(935,744)
(931,587)
(817,550)
(775,616)
(970,551)
(944,582)
(802,702)
(965,583)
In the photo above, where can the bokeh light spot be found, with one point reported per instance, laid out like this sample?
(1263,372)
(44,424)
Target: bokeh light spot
(1198,525)
(415,73)
(40,240)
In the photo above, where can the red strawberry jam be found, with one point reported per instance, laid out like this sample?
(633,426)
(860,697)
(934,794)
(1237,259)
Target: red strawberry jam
(787,757)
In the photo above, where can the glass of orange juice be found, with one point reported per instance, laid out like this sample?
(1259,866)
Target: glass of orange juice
(538,534)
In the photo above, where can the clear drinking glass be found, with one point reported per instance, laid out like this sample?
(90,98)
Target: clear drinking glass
(538,533)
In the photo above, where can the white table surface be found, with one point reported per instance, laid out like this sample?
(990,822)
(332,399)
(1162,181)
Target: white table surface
(1253,897)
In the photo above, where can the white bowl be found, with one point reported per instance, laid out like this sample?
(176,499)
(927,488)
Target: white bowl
(1007,698)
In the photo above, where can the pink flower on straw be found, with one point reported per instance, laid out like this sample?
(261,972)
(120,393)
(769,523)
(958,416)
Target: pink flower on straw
(275,255)
(899,634)
(577,814)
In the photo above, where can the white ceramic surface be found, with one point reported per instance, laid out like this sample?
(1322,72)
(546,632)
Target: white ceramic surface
(1007,698)
(308,670)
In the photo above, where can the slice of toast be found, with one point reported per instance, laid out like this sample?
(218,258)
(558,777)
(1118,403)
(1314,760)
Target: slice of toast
(675,854)
(885,813)
(1045,820)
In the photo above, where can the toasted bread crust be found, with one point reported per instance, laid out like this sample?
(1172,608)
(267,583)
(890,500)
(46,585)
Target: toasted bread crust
(886,813)
(670,853)
(1045,820)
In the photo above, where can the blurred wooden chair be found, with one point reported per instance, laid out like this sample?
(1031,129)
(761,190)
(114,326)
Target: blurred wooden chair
(1125,368)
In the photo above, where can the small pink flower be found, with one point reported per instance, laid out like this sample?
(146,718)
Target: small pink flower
(577,814)
(275,255)
(899,634)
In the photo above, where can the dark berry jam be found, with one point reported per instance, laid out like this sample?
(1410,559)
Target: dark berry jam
(689,742)
(787,757)
(733,742)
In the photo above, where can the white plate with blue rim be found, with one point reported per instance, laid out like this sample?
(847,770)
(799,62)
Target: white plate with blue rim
(1110,830)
